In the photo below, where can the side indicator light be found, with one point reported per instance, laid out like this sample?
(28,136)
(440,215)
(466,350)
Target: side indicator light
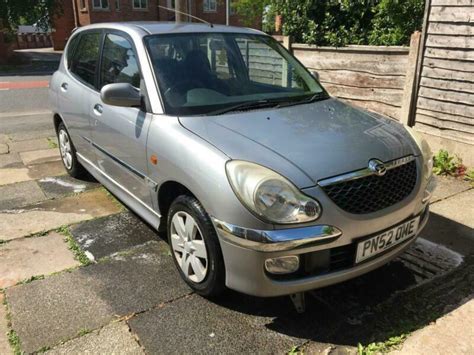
(154,159)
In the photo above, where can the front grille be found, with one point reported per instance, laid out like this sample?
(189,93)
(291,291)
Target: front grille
(373,193)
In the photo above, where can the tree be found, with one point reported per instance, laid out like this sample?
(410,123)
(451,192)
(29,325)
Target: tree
(250,10)
(342,22)
(40,12)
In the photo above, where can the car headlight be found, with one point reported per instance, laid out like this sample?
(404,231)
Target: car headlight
(270,195)
(425,151)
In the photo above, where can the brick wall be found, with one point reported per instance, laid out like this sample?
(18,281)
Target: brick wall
(216,17)
(63,25)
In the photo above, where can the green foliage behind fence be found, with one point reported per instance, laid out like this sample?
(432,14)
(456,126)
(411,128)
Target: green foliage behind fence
(341,22)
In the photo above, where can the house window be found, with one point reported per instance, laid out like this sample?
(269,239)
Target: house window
(100,4)
(82,4)
(117,5)
(171,4)
(140,4)
(210,5)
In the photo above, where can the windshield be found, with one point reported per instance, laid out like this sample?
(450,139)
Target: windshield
(207,73)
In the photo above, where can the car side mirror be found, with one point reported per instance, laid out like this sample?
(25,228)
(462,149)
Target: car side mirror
(315,74)
(121,94)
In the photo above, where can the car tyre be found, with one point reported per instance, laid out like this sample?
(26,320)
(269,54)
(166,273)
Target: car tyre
(68,153)
(195,247)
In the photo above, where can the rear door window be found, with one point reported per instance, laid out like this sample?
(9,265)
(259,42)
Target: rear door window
(86,57)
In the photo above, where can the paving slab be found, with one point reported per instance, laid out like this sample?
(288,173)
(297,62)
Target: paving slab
(20,194)
(4,149)
(59,186)
(29,145)
(194,324)
(112,339)
(447,186)
(4,344)
(3,138)
(314,348)
(52,214)
(40,156)
(39,171)
(11,160)
(459,208)
(17,172)
(41,133)
(14,175)
(55,309)
(106,236)
(450,334)
(23,258)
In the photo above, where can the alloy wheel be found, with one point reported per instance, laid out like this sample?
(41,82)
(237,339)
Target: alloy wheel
(189,247)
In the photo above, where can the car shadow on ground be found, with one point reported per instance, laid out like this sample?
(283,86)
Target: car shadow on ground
(404,295)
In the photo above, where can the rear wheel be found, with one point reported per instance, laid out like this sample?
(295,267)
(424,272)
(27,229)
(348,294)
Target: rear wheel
(68,153)
(195,246)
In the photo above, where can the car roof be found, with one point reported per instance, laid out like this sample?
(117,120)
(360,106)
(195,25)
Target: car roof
(154,27)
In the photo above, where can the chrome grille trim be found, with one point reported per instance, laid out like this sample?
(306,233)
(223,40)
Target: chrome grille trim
(365,172)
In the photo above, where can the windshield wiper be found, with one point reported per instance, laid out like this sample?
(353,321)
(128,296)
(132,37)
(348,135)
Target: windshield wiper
(245,106)
(313,98)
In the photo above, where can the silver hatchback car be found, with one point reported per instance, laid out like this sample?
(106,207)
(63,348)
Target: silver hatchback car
(220,137)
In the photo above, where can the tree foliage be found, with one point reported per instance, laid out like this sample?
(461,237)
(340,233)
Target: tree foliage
(39,12)
(342,22)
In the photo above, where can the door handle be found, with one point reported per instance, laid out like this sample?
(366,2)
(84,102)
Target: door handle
(64,86)
(98,109)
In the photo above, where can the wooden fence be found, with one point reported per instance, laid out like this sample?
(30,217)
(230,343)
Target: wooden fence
(429,84)
(445,103)
(369,76)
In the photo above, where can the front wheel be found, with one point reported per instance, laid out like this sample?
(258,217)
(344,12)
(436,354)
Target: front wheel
(195,246)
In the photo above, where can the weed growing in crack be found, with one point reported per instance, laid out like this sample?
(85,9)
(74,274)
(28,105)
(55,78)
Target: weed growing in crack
(52,143)
(31,279)
(14,341)
(79,254)
(382,347)
(83,331)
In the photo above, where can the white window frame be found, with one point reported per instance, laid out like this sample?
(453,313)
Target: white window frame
(206,6)
(101,5)
(143,5)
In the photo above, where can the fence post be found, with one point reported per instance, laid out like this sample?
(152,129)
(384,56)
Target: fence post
(409,89)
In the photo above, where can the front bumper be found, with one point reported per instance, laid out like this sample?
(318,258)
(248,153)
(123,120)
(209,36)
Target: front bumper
(246,250)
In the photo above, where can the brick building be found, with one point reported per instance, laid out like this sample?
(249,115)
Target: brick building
(77,13)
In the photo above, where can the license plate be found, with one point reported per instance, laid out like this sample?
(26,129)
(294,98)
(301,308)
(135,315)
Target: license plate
(386,240)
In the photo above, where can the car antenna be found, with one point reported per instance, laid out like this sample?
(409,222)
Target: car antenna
(186,14)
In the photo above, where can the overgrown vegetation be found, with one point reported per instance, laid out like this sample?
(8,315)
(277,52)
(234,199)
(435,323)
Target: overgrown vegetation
(341,22)
(446,164)
(381,347)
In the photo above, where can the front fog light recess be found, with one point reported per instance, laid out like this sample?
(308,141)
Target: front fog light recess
(282,265)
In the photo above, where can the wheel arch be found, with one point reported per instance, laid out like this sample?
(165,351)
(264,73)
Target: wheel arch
(167,193)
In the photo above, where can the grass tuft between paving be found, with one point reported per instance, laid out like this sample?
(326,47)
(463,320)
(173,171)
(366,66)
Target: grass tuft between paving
(392,343)
(12,336)
(79,254)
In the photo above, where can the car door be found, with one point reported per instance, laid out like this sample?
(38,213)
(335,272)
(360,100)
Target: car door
(119,134)
(77,81)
